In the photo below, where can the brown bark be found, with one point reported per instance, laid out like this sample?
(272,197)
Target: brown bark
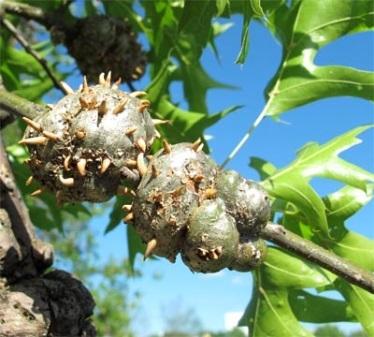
(55,304)
(13,105)
(324,258)
(34,304)
(48,19)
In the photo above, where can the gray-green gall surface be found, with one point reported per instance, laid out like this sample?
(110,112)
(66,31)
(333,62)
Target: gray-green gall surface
(185,204)
(171,189)
(97,133)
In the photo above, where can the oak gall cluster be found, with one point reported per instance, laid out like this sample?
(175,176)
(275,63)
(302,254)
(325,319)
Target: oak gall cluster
(97,140)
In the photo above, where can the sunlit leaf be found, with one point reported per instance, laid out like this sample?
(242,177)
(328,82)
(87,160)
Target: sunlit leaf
(22,62)
(269,313)
(195,28)
(362,304)
(264,168)
(160,83)
(299,80)
(294,220)
(319,309)
(342,204)
(35,90)
(196,85)
(188,125)
(135,244)
(348,244)
(314,160)
(116,216)
(256,7)
(284,270)
(161,29)
(244,43)
(123,9)
(355,248)
(221,5)
(47,5)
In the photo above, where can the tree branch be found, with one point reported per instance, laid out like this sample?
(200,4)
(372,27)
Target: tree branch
(43,62)
(131,86)
(33,255)
(312,252)
(245,138)
(260,117)
(52,304)
(26,11)
(11,104)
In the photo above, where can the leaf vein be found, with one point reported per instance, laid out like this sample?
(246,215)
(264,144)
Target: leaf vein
(311,82)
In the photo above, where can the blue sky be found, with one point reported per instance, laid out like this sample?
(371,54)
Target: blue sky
(214,295)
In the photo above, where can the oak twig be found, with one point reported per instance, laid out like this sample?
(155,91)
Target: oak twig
(42,61)
(26,11)
(11,104)
(131,86)
(34,255)
(245,138)
(324,258)
(34,303)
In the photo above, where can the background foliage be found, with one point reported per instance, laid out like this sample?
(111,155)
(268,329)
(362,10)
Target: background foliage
(176,33)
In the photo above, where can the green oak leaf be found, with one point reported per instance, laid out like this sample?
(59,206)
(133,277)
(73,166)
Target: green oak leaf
(159,85)
(218,29)
(356,248)
(244,43)
(195,32)
(348,244)
(319,309)
(22,62)
(196,85)
(33,90)
(187,125)
(299,80)
(195,29)
(161,29)
(264,168)
(252,9)
(269,312)
(182,33)
(345,202)
(257,7)
(294,220)
(43,210)
(361,302)
(284,270)
(221,5)
(134,242)
(313,160)
(135,245)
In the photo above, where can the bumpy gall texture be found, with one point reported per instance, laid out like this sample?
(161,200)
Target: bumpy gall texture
(212,239)
(95,140)
(90,142)
(185,204)
(250,254)
(176,181)
(245,200)
(103,43)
